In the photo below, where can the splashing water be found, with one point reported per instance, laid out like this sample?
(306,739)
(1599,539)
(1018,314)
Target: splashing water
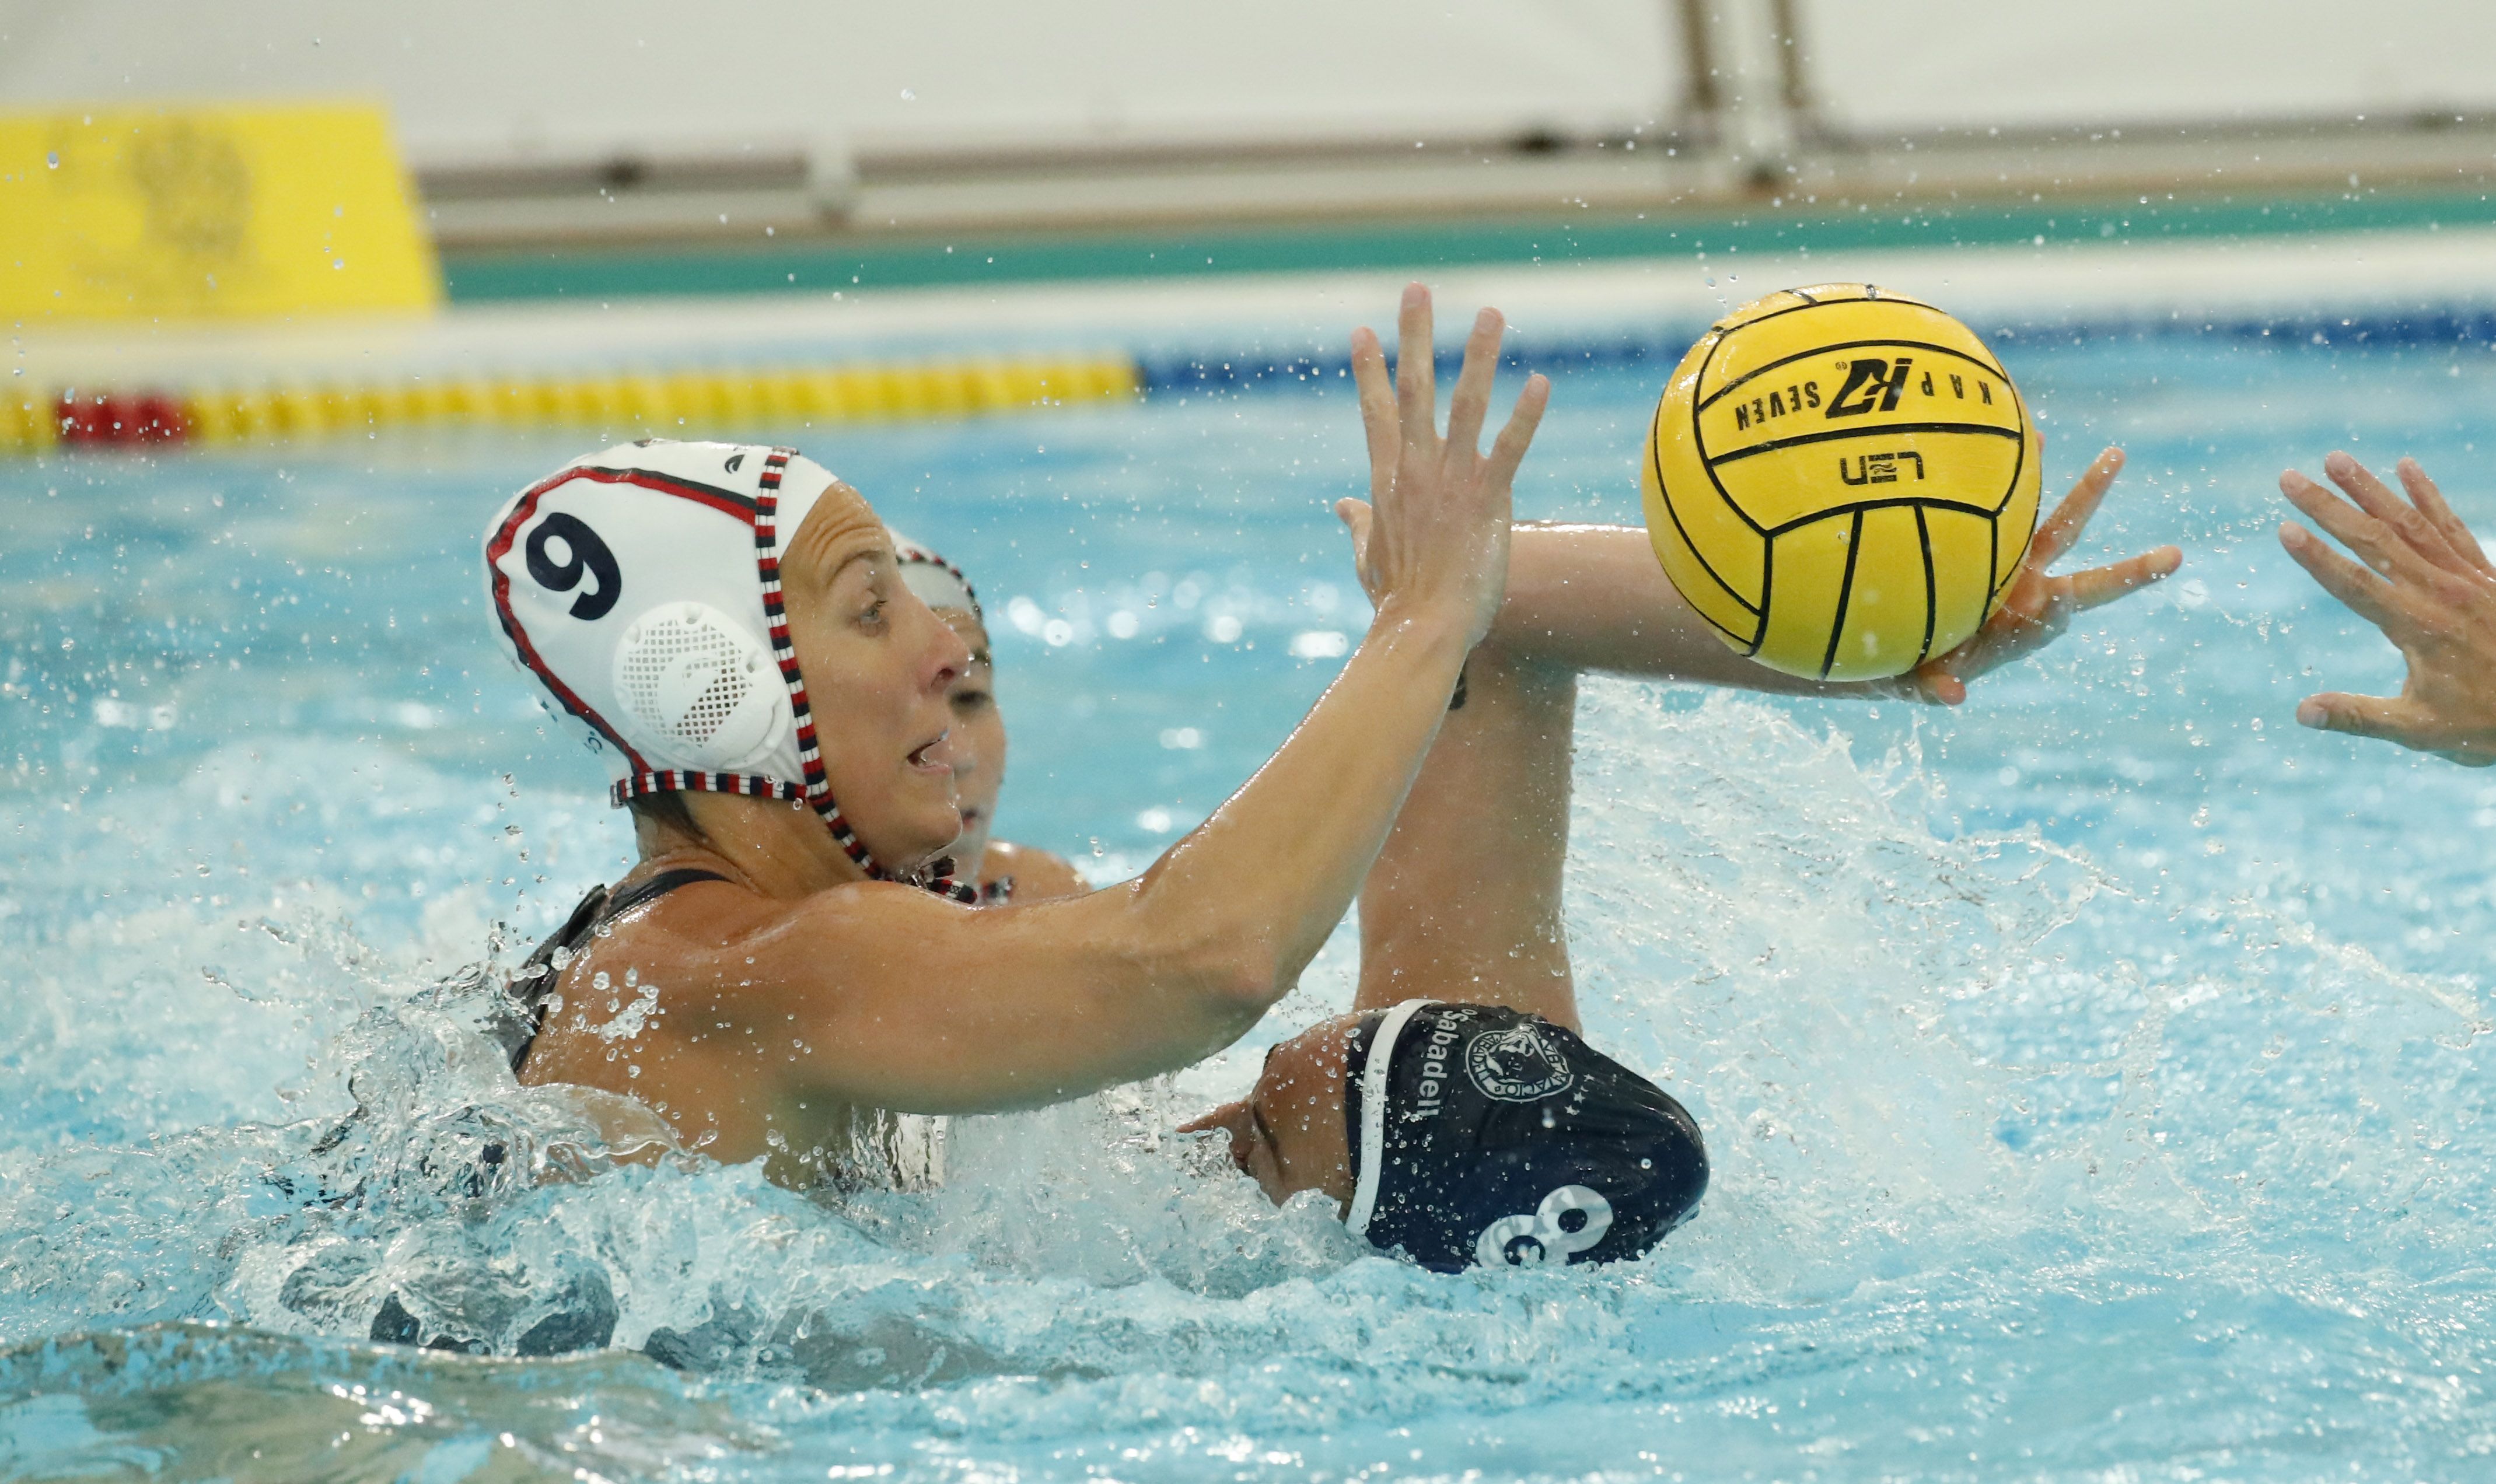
(2110,1119)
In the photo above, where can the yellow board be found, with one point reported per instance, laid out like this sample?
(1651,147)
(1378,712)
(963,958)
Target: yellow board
(218,212)
(1841,482)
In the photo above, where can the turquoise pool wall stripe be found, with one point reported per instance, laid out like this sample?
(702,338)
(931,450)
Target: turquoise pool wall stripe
(971,259)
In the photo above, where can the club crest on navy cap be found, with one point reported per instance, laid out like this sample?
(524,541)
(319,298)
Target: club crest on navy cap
(1480,1135)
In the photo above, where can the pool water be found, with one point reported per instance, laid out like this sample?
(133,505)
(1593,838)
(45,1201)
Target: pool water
(2095,1075)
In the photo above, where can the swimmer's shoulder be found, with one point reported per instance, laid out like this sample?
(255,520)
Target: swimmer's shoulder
(674,937)
(724,1009)
(1037,874)
(714,941)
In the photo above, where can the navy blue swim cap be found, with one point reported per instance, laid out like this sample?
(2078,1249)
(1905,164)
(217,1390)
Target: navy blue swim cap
(1485,1135)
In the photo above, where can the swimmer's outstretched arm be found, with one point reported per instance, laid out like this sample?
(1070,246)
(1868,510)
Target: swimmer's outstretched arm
(1593,598)
(886,996)
(2431,590)
(1465,900)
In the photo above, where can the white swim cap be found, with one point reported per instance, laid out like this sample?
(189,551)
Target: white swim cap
(641,587)
(939,583)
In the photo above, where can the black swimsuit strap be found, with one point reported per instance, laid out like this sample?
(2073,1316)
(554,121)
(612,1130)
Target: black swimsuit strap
(619,902)
(517,1026)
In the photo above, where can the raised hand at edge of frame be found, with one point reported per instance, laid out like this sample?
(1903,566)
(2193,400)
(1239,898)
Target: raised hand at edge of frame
(2427,585)
(2040,605)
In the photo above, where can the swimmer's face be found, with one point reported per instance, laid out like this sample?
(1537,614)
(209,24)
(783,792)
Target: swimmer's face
(978,745)
(1288,1132)
(878,664)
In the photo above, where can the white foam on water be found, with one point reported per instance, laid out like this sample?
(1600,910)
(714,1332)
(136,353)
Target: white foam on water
(2042,1147)
(1773,930)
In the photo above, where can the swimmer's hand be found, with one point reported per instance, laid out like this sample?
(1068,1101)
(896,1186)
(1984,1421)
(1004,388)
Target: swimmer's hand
(1433,535)
(2431,590)
(2040,605)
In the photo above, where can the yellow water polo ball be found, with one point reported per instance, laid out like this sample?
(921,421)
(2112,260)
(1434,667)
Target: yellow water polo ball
(1841,482)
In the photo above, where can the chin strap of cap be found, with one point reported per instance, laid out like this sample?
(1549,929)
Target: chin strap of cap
(938,877)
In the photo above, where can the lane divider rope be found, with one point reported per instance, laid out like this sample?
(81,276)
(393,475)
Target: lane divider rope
(707,400)
(711,402)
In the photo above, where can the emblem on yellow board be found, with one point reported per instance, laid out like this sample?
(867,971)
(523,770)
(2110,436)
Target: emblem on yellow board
(207,212)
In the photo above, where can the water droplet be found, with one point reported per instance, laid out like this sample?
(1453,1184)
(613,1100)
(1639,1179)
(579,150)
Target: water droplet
(52,158)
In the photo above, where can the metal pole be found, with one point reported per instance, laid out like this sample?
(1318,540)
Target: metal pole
(1747,91)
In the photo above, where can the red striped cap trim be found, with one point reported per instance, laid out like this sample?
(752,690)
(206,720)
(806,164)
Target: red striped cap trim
(677,781)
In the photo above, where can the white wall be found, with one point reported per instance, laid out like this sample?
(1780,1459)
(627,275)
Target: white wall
(1911,64)
(493,81)
(475,81)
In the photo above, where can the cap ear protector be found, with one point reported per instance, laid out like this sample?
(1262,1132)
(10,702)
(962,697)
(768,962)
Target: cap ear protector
(696,684)
(641,587)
